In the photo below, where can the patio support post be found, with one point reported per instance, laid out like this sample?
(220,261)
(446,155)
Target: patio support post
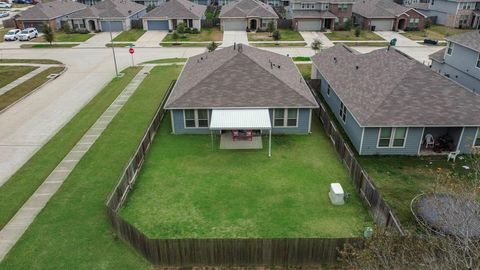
(270,142)
(211,135)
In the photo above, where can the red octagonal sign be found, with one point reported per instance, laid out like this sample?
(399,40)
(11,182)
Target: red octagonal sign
(131,50)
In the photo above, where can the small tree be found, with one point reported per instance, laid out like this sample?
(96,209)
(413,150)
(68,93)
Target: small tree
(212,46)
(175,36)
(66,28)
(348,25)
(358,31)
(271,27)
(316,45)
(48,33)
(181,28)
(276,35)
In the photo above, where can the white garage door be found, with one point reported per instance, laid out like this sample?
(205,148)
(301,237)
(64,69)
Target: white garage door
(234,25)
(309,25)
(382,25)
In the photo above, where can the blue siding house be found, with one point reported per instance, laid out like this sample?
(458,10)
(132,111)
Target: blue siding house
(460,61)
(390,104)
(240,90)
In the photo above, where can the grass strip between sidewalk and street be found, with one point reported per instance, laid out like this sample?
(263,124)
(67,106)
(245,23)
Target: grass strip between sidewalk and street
(30,61)
(26,88)
(73,228)
(49,46)
(26,180)
(286,44)
(9,74)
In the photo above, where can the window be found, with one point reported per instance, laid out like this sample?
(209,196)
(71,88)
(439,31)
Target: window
(414,22)
(392,137)
(328,90)
(308,6)
(196,118)
(476,143)
(285,117)
(478,61)
(450,48)
(342,7)
(343,112)
(463,21)
(467,5)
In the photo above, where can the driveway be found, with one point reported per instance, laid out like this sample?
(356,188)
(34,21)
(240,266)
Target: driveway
(401,40)
(98,40)
(231,37)
(309,37)
(151,38)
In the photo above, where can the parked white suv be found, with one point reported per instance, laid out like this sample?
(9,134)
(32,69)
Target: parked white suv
(5,5)
(27,34)
(11,35)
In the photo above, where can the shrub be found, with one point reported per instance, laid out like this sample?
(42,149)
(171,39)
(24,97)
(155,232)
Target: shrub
(212,46)
(348,25)
(271,27)
(187,30)
(66,28)
(175,36)
(181,28)
(358,31)
(316,45)
(81,31)
(194,31)
(428,23)
(276,35)
(48,33)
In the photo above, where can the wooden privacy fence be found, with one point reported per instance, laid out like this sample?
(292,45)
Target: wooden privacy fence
(211,252)
(381,212)
(209,23)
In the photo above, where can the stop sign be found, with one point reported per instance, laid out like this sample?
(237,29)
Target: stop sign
(131,50)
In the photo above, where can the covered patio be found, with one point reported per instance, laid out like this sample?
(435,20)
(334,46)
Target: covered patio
(440,140)
(241,128)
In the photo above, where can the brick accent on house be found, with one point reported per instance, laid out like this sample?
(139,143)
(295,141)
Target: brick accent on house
(342,15)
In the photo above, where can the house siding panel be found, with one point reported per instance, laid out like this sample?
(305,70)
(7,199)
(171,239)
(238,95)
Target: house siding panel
(466,142)
(370,139)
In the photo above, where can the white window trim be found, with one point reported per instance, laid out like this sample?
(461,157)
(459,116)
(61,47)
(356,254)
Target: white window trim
(344,112)
(195,111)
(285,118)
(453,45)
(392,135)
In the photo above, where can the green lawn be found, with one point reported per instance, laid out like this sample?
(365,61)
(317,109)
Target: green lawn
(26,180)
(369,44)
(270,44)
(437,32)
(186,189)
(301,58)
(206,34)
(166,60)
(285,35)
(48,46)
(118,45)
(64,37)
(185,44)
(130,35)
(31,61)
(26,88)
(72,232)
(9,74)
(305,70)
(350,35)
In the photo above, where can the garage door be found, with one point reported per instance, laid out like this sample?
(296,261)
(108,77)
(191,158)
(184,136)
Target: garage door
(157,25)
(117,26)
(382,25)
(37,25)
(309,25)
(234,25)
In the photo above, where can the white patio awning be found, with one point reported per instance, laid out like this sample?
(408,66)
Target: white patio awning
(240,119)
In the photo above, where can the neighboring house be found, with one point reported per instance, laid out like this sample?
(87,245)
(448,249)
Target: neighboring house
(453,13)
(52,13)
(460,61)
(386,15)
(146,3)
(244,85)
(387,103)
(169,14)
(243,14)
(109,14)
(318,15)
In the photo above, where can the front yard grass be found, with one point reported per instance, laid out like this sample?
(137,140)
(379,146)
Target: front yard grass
(368,44)
(286,44)
(167,60)
(48,46)
(350,35)
(72,231)
(64,37)
(206,34)
(163,44)
(130,35)
(285,35)
(31,61)
(27,87)
(436,32)
(188,190)
(9,74)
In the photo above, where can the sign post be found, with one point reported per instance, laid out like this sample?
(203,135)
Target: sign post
(131,51)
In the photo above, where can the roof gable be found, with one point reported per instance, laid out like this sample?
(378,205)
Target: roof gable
(469,39)
(378,9)
(247,8)
(51,10)
(177,9)
(110,9)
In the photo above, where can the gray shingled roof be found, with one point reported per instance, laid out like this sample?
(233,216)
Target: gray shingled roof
(438,56)
(469,39)
(247,8)
(312,14)
(324,1)
(378,8)
(390,89)
(177,9)
(50,10)
(110,9)
(249,78)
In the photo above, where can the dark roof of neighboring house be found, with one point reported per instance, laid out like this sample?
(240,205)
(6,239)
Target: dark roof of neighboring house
(246,9)
(315,14)
(177,9)
(469,39)
(378,8)
(240,77)
(50,10)
(387,88)
(324,1)
(438,56)
(419,5)
(110,9)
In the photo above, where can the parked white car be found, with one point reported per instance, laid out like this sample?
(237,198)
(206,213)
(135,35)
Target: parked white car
(27,34)
(11,35)
(5,5)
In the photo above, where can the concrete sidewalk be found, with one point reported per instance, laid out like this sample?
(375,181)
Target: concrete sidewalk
(402,41)
(309,37)
(21,80)
(25,216)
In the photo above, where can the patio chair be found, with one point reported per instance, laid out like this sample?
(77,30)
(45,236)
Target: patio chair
(429,141)
(249,135)
(453,155)
(235,135)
